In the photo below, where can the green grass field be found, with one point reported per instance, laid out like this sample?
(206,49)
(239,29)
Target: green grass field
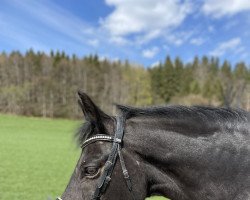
(37,157)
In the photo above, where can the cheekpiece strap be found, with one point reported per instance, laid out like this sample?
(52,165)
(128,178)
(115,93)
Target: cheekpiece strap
(110,163)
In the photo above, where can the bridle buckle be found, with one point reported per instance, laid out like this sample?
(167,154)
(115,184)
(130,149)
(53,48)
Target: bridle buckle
(117,140)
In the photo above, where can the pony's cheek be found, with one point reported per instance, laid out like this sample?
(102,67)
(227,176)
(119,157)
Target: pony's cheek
(87,188)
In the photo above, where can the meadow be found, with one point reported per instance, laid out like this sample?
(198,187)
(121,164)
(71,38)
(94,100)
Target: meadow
(37,157)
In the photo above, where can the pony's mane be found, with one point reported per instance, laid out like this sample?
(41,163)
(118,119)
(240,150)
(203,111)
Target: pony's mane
(200,115)
(203,113)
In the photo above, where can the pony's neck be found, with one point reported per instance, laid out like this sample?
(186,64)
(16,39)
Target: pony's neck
(167,155)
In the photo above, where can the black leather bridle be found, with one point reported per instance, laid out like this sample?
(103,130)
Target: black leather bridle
(110,163)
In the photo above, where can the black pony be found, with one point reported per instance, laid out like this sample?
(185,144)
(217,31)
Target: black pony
(183,153)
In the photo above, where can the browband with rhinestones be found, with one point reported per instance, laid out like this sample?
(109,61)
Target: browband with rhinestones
(99,137)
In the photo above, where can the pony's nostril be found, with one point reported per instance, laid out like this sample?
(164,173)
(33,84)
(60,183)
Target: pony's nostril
(58,198)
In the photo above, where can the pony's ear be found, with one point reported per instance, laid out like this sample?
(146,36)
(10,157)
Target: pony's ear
(91,112)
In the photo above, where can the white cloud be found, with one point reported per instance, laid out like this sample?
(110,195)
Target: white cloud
(46,25)
(150,53)
(20,37)
(230,25)
(197,41)
(142,39)
(178,38)
(240,50)
(244,56)
(155,64)
(57,18)
(210,29)
(119,40)
(166,47)
(93,42)
(219,8)
(145,18)
(228,46)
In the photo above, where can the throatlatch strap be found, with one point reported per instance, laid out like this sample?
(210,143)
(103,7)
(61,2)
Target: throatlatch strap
(124,169)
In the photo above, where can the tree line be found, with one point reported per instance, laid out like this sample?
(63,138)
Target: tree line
(37,84)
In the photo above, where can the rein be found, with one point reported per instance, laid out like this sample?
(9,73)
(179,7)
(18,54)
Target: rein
(111,161)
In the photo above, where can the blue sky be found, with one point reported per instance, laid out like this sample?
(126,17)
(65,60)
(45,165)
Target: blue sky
(143,31)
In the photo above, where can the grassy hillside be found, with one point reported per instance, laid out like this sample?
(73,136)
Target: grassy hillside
(37,157)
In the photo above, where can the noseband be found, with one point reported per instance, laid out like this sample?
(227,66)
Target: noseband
(110,163)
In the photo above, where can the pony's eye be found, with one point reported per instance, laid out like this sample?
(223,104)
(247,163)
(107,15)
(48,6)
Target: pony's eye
(91,171)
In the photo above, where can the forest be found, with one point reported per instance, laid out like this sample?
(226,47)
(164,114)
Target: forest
(40,84)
